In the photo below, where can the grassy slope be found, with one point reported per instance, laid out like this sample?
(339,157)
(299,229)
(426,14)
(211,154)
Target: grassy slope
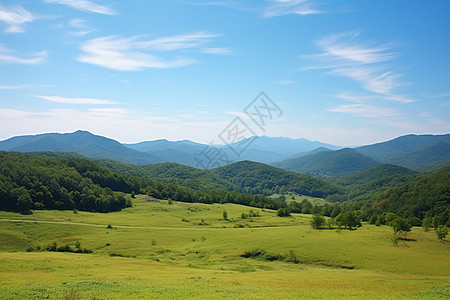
(164,256)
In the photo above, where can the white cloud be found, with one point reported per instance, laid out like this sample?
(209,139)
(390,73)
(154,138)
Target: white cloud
(125,125)
(18,87)
(365,110)
(79,27)
(345,47)
(132,53)
(217,50)
(86,6)
(15,17)
(7,56)
(344,55)
(288,7)
(67,100)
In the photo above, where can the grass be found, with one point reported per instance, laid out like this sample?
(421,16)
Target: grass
(151,252)
(299,198)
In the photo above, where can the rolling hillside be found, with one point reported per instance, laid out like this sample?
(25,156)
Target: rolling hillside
(329,163)
(258,178)
(411,151)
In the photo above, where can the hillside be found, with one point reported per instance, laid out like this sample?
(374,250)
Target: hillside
(428,195)
(436,153)
(81,142)
(30,181)
(329,163)
(258,178)
(33,182)
(367,184)
(173,173)
(398,150)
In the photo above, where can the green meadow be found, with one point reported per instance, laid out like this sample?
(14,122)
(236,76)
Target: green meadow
(173,250)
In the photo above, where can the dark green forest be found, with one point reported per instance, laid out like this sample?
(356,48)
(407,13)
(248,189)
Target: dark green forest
(68,181)
(29,181)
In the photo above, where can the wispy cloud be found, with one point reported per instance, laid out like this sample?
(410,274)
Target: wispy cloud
(67,100)
(217,50)
(79,27)
(365,110)
(15,17)
(132,53)
(86,6)
(344,55)
(19,87)
(268,8)
(7,56)
(278,8)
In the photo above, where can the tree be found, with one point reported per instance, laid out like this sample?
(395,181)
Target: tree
(225,215)
(401,225)
(390,217)
(330,223)
(373,219)
(348,219)
(426,223)
(317,221)
(441,232)
(283,212)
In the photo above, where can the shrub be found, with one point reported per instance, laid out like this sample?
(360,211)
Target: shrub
(317,221)
(441,232)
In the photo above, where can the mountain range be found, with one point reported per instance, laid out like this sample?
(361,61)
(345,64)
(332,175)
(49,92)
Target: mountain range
(300,155)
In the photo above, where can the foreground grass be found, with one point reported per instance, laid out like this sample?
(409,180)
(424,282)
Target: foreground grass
(188,251)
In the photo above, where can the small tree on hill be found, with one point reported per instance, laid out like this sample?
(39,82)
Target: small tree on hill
(401,226)
(426,223)
(225,215)
(317,221)
(283,212)
(348,219)
(441,232)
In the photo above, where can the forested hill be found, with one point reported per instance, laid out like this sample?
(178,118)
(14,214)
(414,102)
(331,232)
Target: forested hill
(259,178)
(245,177)
(33,182)
(367,185)
(329,163)
(173,173)
(427,196)
(29,181)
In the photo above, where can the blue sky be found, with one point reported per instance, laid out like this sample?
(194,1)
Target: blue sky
(342,72)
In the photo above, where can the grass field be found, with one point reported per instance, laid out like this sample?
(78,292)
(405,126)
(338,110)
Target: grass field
(188,251)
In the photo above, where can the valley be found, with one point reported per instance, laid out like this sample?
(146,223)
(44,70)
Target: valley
(149,251)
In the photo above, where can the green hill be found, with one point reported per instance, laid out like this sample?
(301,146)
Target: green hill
(436,153)
(429,195)
(173,173)
(329,163)
(259,178)
(29,181)
(367,184)
(34,182)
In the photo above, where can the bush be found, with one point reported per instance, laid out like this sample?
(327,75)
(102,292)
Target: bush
(317,221)
(283,212)
(441,232)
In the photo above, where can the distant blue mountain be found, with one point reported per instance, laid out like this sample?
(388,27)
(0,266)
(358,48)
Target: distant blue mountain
(300,155)
(81,142)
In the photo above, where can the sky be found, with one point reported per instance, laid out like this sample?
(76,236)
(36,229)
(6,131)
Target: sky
(342,72)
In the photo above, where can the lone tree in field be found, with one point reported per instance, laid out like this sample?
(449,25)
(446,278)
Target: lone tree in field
(317,221)
(441,232)
(348,219)
(401,226)
(225,215)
